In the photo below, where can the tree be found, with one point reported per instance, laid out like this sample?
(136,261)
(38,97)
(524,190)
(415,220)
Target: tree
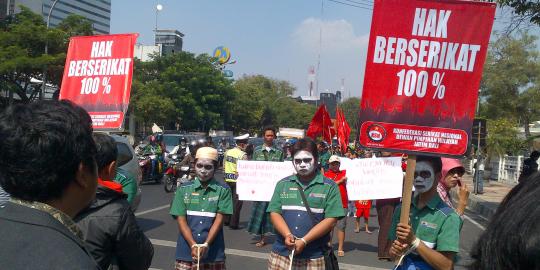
(183,88)
(351,109)
(503,137)
(262,101)
(510,83)
(22,45)
(527,10)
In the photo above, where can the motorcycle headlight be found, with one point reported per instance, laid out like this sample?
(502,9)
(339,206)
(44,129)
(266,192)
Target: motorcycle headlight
(174,156)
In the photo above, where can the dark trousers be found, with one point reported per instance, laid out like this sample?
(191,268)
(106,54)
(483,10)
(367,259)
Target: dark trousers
(237,207)
(385,211)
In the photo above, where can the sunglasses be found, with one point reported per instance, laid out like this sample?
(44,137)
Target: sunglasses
(207,167)
(423,174)
(456,171)
(299,161)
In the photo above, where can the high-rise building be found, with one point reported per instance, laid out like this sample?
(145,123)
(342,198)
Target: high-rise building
(97,11)
(170,41)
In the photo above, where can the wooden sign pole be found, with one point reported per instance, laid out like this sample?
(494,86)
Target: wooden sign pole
(407,190)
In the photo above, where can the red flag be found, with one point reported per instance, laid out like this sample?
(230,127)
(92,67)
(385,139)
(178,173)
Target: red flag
(343,130)
(321,124)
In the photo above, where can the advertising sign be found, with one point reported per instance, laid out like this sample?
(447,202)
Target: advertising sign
(97,76)
(423,71)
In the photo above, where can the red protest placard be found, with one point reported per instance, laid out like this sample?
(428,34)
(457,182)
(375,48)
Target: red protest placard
(423,71)
(97,76)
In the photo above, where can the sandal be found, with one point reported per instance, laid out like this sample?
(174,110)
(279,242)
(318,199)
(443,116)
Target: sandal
(341,253)
(356,230)
(260,244)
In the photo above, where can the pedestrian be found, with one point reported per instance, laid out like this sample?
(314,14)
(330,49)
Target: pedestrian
(231,174)
(530,166)
(511,240)
(452,174)
(432,239)
(47,165)
(259,223)
(324,155)
(363,208)
(340,177)
(385,210)
(108,224)
(199,208)
(304,208)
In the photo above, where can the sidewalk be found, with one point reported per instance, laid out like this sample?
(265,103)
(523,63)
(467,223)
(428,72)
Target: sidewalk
(484,204)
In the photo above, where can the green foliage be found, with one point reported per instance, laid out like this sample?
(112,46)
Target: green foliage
(22,50)
(510,84)
(529,10)
(261,101)
(181,88)
(351,109)
(503,137)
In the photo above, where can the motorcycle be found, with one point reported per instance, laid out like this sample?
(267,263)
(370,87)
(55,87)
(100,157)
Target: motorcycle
(221,155)
(145,163)
(172,173)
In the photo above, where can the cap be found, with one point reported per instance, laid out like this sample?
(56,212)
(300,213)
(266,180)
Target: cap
(334,158)
(207,153)
(242,137)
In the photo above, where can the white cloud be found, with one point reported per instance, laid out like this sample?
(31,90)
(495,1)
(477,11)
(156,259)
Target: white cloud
(337,35)
(342,55)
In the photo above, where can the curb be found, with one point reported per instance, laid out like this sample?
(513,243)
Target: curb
(477,205)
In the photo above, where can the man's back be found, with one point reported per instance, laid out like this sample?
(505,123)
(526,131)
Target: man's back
(32,239)
(111,232)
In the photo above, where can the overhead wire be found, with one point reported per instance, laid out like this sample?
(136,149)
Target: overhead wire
(352,5)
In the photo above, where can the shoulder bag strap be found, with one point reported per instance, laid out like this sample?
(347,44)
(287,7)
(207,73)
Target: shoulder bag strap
(303,195)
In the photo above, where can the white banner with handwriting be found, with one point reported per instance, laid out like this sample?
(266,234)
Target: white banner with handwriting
(368,178)
(257,179)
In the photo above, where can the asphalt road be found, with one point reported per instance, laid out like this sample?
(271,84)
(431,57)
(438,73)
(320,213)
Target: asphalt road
(360,248)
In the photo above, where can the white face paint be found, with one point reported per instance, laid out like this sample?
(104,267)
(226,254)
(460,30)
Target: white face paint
(424,176)
(304,163)
(204,169)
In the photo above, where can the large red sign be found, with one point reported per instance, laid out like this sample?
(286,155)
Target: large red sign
(423,71)
(97,76)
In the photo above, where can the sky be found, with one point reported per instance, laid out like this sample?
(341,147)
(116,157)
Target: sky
(277,38)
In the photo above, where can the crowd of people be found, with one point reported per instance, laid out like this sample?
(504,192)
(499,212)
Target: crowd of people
(68,210)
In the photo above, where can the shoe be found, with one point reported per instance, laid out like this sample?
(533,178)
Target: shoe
(385,259)
(341,253)
(234,227)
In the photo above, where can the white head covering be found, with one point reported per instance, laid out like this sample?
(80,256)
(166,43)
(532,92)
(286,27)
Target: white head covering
(207,153)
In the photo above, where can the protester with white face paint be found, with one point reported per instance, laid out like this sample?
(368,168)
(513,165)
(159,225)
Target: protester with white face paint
(432,239)
(199,207)
(298,232)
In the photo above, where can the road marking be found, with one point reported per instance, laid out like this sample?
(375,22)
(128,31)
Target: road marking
(475,223)
(261,255)
(152,210)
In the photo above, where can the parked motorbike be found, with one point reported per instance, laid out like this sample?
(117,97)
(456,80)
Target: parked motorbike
(145,163)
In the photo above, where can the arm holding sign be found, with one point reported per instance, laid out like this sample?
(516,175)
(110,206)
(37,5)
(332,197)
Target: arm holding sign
(406,238)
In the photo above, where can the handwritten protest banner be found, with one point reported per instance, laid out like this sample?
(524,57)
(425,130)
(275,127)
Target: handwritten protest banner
(373,178)
(257,179)
(368,179)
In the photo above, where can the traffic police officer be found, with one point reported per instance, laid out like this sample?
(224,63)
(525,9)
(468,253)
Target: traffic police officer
(229,165)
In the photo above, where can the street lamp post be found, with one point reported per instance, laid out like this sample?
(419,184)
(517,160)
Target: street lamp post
(44,82)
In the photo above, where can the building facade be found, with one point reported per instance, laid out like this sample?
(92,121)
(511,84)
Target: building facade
(97,11)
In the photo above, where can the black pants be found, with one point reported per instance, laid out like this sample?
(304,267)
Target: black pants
(385,211)
(237,207)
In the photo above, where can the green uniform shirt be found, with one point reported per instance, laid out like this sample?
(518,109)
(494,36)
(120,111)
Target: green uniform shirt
(323,159)
(262,154)
(129,185)
(324,200)
(437,224)
(200,205)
